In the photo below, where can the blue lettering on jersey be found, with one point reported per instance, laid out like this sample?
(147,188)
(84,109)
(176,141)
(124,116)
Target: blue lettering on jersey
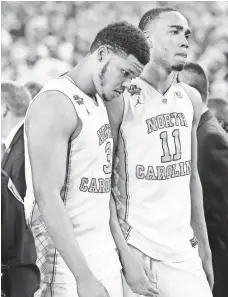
(163,172)
(104,133)
(166,121)
(95,185)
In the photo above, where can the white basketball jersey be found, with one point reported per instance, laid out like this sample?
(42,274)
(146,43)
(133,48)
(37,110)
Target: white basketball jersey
(85,192)
(152,171)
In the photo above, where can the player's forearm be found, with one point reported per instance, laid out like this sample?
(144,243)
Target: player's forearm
(116,231)
(197,215)
(61,231)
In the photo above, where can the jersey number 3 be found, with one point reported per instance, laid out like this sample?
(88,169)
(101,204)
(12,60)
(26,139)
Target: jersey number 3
(108,150)
(167,156)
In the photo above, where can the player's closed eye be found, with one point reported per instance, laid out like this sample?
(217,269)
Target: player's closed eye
(174,32)
(125,73)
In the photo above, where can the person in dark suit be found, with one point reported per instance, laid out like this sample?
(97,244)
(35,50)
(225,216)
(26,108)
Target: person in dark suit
(213,171)
(15,101)
(219,108)
(20,277)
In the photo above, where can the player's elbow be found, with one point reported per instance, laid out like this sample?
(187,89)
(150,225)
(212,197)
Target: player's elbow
(44,195)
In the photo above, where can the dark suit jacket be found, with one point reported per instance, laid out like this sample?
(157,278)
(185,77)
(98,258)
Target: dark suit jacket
(213,171)
(13,161)
(18,250)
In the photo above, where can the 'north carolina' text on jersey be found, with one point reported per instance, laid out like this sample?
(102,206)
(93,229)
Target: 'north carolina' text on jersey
(85,192)
(152,171)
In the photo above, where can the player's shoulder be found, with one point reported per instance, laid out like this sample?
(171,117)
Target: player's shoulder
(51,107)
(53,99)
(193,95)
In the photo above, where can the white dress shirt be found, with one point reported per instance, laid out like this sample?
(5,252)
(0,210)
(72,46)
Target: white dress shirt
(7,140)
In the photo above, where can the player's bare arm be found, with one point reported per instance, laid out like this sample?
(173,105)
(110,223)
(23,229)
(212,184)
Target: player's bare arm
(115,109)
(197,211)
(139,278)
(50,123)
(136,273)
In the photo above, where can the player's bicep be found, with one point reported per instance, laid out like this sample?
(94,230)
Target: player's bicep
(197,106)
(50,123)
(194,152)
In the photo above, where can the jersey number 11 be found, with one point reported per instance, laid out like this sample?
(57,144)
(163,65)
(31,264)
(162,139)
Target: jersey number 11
(167,156)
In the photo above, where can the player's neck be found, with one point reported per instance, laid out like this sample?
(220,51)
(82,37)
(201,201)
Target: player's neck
(158,77)
(81,75)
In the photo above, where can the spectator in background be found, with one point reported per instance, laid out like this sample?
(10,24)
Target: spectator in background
(33,88)
(15,101)
(219,109)
(213,171)
(53,68)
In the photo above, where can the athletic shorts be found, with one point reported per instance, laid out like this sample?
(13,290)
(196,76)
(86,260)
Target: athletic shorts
(113,286)
(179,279)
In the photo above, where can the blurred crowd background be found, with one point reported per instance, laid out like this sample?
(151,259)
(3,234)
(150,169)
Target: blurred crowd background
(41,40)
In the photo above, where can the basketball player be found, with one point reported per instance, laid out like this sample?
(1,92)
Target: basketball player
(68,153)
(156,187)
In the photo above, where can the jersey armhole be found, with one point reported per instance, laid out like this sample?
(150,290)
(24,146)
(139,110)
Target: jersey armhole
(187,95)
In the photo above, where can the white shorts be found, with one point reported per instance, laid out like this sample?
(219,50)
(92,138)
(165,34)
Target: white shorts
(180,279)
(113,286)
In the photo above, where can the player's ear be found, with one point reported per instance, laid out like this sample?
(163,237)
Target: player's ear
(221,122)
(102,53)
(4,109)
(149,39)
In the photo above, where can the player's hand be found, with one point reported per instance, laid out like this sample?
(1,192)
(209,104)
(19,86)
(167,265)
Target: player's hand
(90,287)
(208,269)
(139,278)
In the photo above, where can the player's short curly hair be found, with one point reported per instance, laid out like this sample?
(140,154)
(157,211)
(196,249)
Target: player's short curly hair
(123,37)
(153,14)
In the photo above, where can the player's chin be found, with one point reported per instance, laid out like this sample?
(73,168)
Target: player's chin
(112,96)
(108,97)
(178,67)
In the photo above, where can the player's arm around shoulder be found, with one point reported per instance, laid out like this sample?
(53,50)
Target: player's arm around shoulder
(197,211)
(50,123)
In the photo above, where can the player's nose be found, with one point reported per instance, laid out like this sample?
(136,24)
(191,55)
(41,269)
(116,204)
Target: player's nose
(127,83)
(184,42)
